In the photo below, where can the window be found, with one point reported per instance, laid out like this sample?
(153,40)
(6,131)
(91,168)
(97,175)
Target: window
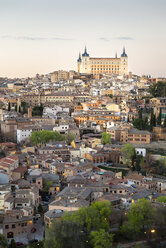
(6,226)
(13,226)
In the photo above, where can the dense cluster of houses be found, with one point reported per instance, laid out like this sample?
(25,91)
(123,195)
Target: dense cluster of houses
(81,171)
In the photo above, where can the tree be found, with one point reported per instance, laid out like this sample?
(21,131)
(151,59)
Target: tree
(165,121)
(106,138)
(45,136)
(101,239)
(13,244)
(2,154)
(47,185)
(37,110)
(158,89)
(3,241)
(9,107)
(40,209)
(159,118)
(152,121)
(91,218)
(24,107)
(82,227)
(69,138)
(19,109)
(128,153)
(16,107)
(140,123)
(63,234)
(161,199)
(140,218)
(128,119)
(140,114)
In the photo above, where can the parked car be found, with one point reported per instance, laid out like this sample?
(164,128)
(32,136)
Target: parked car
(33,241)
(44,203)
(38,215)
(19,244)
(33,230)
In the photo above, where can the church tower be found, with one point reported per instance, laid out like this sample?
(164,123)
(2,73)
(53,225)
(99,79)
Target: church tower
(79,60)
(83,63)
(124,63)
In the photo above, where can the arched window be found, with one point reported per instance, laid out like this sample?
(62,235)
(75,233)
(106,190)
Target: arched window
(10,235)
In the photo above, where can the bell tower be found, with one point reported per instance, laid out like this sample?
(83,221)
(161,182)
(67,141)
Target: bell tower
(124,63)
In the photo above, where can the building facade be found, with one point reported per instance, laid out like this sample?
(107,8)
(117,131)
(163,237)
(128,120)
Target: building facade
(95,66)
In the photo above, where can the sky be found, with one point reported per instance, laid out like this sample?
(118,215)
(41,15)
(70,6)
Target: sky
(41,36)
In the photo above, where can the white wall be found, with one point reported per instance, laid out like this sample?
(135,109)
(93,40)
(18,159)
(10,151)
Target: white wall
(23,134)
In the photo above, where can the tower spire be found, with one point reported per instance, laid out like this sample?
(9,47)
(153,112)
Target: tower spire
(116,55)
(85,53)
(79,58)
(124,49)
(124,52)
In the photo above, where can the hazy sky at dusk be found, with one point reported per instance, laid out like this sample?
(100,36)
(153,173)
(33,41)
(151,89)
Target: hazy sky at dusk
(40,36)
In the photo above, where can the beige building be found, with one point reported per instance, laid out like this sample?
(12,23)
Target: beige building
(128,134)
(62,75)
(95,66)
(15,224)
(37,99)
(59,75)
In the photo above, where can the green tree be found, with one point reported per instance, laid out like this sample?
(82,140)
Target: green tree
(3,241)
(106,138)
(19,109)
(140,114)
(2,154)
(138,123)
(165,121)
(128,119)
(140,218)
(159,118)
(37,110)
(88,227)
(63,234)
(13,244)
(16,107)
(24,107)
(158,89)
(152,121)
(101,239)
(91,218)
(9,107)
(128,153)
(46,185)
(161,199)
(69,138)
(45,136)
(40,209)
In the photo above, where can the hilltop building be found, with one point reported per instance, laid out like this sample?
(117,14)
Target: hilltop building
(95,66)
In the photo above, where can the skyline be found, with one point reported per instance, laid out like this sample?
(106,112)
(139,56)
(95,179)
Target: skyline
(44,36)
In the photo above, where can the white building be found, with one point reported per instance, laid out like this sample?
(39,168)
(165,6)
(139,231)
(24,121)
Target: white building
(141,151)
(54,110)
(23,134)
(61,128)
